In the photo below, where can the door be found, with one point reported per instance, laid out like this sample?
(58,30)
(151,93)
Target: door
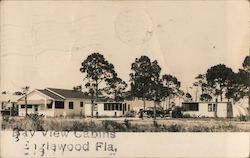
(35,109)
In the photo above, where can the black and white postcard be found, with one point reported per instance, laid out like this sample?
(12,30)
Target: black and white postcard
(126,78)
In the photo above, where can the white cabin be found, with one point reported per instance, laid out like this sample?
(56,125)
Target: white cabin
(208,109)
(110,109)
(53,102)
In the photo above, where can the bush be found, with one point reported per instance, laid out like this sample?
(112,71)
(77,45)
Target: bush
(127,123)
(177,112)
(174,128)
(186,116)
(112,126)
(130,114)
(199,129)
(37,121)
(243,118)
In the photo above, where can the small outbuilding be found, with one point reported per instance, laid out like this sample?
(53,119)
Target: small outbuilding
(107,109)
(208,109)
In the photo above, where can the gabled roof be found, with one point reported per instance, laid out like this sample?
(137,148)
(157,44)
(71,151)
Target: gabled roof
(50,94)
(66,93)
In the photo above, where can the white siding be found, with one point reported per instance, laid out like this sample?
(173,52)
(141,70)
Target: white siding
(36,97)
(222,110)
(203,111)
(102,112)
(76,111)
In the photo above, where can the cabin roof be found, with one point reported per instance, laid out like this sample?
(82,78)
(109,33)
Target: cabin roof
(50,94)
(67,93)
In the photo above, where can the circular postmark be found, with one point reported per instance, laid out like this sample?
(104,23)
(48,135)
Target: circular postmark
(133,27)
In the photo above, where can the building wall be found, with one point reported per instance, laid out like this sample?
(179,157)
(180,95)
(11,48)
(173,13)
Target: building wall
(22,111)
(45,112)
(34,97)
(101,111)
(76,111)
(203,111)
(42,107)
(221,110)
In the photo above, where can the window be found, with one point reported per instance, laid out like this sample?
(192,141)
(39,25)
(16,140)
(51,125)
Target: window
(71,105)
(28,106)
(113,106)
(125,107)
(128,107)
(109,106)
(191,106)
(59,104)
(120,107)
(210,108)
(116,106)
(106,106)
(214,107)
(81,104)
(49,106)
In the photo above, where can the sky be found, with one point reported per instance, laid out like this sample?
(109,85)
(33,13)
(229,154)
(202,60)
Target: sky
(43,43)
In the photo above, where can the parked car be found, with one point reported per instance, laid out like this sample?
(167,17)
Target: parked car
(149,112)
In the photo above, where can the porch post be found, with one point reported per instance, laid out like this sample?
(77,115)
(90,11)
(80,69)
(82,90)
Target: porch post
(45,106)
(53,107)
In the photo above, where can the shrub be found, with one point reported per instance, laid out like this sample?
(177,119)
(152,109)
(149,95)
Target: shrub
(112,126)
(37,121)
(174,128)
(127,123)
(199,129)
(130,114)
(186,116)
(6,118)
(177,112)
(243,118)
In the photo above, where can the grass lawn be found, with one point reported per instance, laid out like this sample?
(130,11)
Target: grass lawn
(131,125)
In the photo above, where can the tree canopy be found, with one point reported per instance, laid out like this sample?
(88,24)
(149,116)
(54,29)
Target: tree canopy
(145,74)
(219,77)
(97,70)
(117,87)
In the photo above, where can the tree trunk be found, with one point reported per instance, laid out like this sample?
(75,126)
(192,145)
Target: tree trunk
(249,101)
(169,101)
(92,105)
(144,102)
(96,91)
(155,110)
(196,94)
(221,94)
(116,96)
(26,108)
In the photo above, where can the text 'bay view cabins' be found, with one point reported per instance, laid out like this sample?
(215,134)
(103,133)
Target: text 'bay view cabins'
(54,102)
